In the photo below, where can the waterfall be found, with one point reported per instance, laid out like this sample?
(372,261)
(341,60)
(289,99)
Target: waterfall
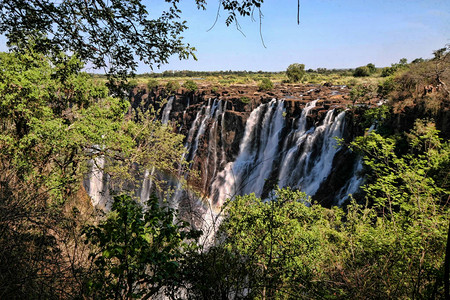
(224,185)
(167,110)
(353,184)
(295,137)
(147,182)
(321,166)
(216,111)
(275,147)
(261,169)
(304,162)
(97,184)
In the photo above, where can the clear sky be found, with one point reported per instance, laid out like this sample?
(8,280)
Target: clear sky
(331,34)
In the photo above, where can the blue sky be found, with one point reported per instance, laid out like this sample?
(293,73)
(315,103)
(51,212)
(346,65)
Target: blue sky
(331,34)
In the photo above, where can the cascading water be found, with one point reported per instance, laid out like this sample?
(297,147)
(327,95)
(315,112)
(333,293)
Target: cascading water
(147,183)
(319,169)
(167,110)
(352,185)
(304,162)
(240,152)
(96,184)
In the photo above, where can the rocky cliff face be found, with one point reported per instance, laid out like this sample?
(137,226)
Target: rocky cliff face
(241,140)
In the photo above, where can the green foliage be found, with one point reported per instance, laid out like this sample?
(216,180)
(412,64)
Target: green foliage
(376,116)
(362,93)
(392,247)
(401,65)
(152,84)
(409,206)
(172,86)
(110,35)
(295,72)
(245,100)
(265,85)
(278,246)
(361,72)
(387,86)
(132,83)
(388,71)
(371,68)
(137,252)
(190,85)
(54,120)
(214,89)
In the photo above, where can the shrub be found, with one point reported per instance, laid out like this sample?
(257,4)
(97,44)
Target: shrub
(172,86)
(152,84)
(386,87)
(266,84)
(245,99)
(190,85)
(371,68)
(361,72)
(388,71)
(132,83)
(362,93)
(295,72)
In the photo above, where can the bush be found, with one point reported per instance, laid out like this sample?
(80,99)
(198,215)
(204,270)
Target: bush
(361,72)
(295,72)
(386,87)
(371,68)
(362,93)
(132,83)
(245,100)
(388,71)
(265,85)
(190,85)
(152,84)
(172,86)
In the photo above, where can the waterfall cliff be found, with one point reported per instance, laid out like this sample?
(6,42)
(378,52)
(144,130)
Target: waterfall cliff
(285,139)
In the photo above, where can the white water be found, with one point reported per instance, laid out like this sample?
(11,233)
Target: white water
(97,184)
(224,185)
(352,185)
(167,110)
(304,162)
(272,125)
(299,155)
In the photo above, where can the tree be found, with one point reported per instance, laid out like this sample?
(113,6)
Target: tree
(265,85)
(392,246)
(362,93)
(361,72)
(371,68)
(138,250)
(282,245)
(106,34)
(54,120)
(409,193)
(295,72)
(172,86)
(190,85)
(152,84)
